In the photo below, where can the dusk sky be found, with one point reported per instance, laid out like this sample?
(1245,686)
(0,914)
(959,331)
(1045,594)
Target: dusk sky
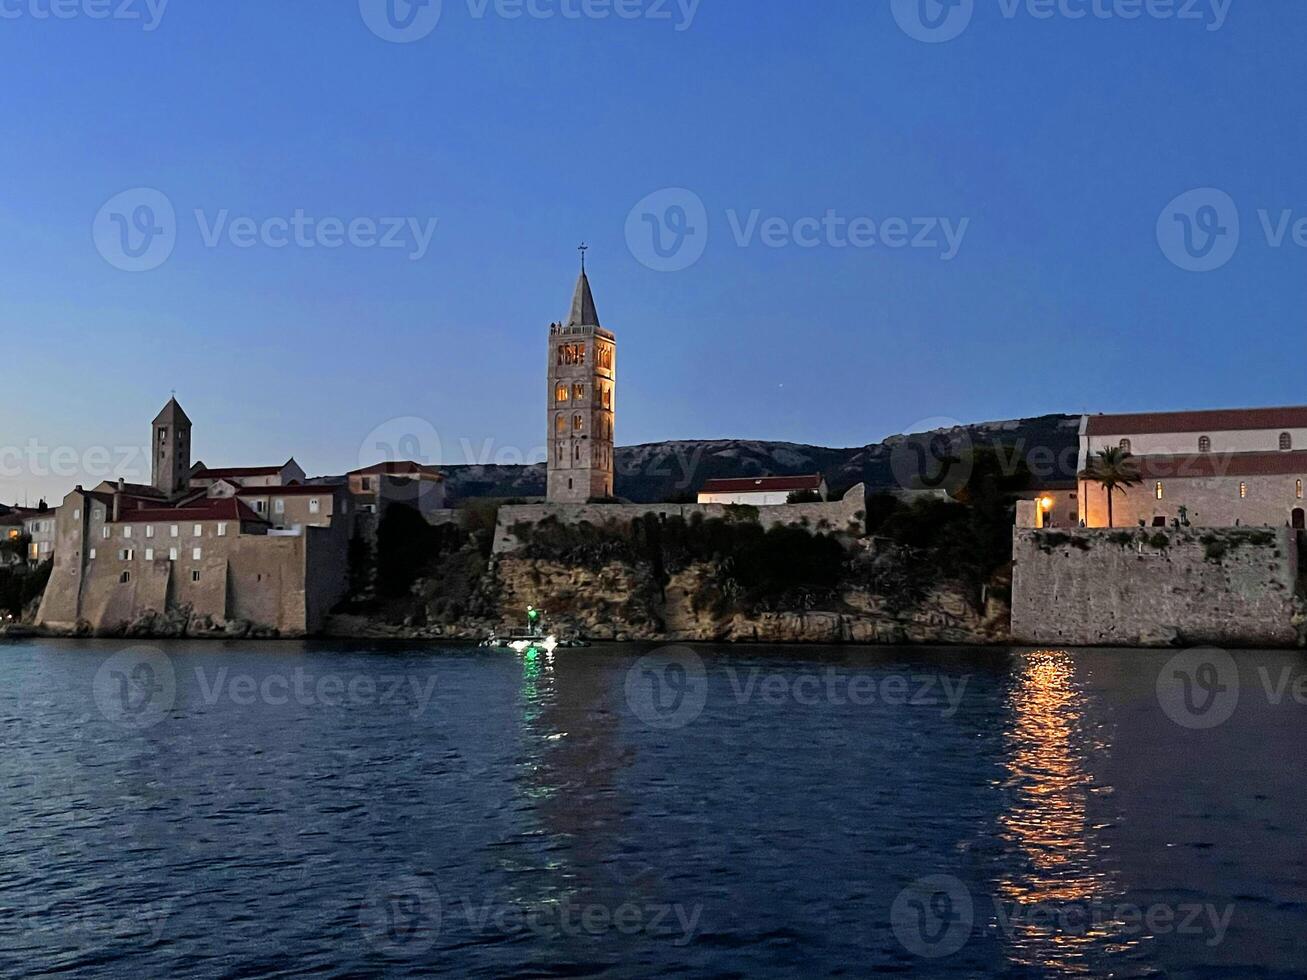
(1043,153)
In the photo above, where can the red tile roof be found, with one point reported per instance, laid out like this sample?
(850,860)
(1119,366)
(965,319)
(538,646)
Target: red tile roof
(399,468)
(212,509)
(1220,420)
(763,484)
(1206,465)
(204,473)
(293,490)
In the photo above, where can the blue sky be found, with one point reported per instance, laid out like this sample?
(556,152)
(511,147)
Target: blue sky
(1053,143)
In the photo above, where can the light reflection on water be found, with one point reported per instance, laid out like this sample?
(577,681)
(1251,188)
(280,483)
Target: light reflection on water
(1063,865)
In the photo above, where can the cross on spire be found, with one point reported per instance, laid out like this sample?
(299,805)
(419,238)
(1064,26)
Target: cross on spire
(583,248)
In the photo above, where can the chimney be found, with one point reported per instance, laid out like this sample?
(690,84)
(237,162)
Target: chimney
(118,500)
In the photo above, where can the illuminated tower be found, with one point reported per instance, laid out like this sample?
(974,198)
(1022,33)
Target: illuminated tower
(582,402)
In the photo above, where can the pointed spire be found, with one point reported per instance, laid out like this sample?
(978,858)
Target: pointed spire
(584,313)
(172,414)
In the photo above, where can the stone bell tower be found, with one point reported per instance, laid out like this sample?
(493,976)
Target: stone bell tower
(582,402)
(170,450)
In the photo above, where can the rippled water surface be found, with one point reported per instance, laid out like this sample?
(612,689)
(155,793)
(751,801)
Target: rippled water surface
(280,809)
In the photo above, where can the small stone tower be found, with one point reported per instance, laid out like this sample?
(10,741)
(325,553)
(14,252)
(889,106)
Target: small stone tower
(170,451)
(582,402)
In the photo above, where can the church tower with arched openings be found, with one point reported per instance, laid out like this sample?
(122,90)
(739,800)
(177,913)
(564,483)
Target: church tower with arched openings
(170,460)
(582,402)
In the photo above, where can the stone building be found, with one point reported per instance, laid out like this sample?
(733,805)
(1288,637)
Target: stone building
(193,542)
(582,403)
(375,487)
(1224,468)
(761,491)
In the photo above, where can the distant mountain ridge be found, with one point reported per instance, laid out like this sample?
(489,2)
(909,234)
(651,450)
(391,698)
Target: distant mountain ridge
(661,471)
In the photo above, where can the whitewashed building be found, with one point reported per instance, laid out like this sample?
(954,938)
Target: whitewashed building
(760,491)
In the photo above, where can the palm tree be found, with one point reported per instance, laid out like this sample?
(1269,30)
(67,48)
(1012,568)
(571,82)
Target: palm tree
(1114,469)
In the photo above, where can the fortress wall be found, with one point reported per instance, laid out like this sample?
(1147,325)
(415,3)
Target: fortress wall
(838,514)
(1154,587)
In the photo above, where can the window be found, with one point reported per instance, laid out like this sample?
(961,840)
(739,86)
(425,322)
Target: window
(32,551)
(1125,445)
(608,396)
(315,505)
(279,506)
(199,531)
(560,393)
(98,513)
(1204,444)
(104,532)
(149,530)
(197,554)
(1286,442)
(1297,490)
(195,574)
(174,531)
(571,354)
(578,393)
(77,514)
(1159,491)
(560,424)
(127,531)
(260,506)
(578,423)
(125,577)
(367,485)
(126,554)
(1243,491)
(222,529)
(92,554)
(149,554)
(172,554)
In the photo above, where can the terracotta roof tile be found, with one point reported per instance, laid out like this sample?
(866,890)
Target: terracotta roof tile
(1219,420)
(211,509)
(398,468)
(763,484)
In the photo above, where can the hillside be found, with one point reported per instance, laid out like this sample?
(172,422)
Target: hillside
(666,470)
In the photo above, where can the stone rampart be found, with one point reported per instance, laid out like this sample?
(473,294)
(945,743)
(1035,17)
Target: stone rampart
(834,515)
(1156,587)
